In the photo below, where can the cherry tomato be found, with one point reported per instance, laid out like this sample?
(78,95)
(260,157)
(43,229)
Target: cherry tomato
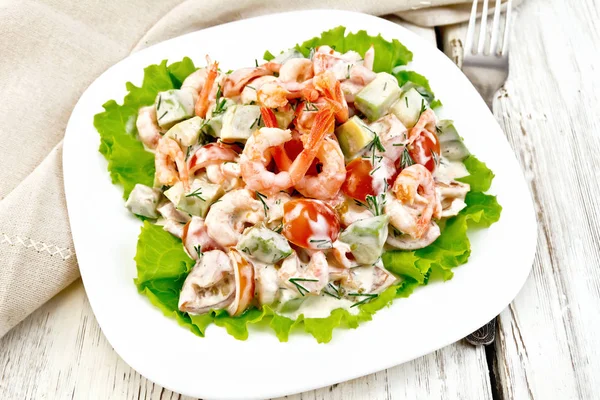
(309,223)
(359,177)
(359,182)
(422,149)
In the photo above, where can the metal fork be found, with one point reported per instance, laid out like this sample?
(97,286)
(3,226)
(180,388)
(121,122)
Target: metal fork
(488,73)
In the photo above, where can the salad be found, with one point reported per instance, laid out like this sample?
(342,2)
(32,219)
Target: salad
(310,190)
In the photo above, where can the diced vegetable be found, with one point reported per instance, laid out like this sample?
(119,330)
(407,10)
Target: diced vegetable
(451,143)
(287,55)
(408,107)
(353,136)
(264,245)
(239,122)
(174,106)
(366,238)
(214,118)
(375,99)
(197,200)
(284,118)
(143,201)
(187,132)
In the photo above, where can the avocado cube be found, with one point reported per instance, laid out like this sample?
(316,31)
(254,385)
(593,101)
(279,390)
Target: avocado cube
(353,136)
(174,106)
(187,132)
(143,201)
(366,238)
(264,245)
(197,200)
(239,122)
(375,99)
(409,106)
(451,143)
(284,118)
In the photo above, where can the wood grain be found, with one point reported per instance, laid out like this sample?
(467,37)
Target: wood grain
(548,346)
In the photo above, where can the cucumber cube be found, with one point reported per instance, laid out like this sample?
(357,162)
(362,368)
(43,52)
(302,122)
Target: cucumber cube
(408,107)
(239,122)
(375,99)
(366,238)
(143,201)
(197,200)
(451,143)
(174,106)
(264,245)
(187,132)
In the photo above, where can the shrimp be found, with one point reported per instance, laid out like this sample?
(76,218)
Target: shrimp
(392,135)
(196,239)
(272,95)
(210,285)
(369,58)
(452,196)
(202,103)
(257,155)
(407,242)
(329,87)
(212,153)
(311,278)
(343,254)
(368,279)
(415,202)
(249,93)
(296,70)
(227,218)
(147,127)
(170,163)
(327,183)
(424,126)
(235,82)
(226,174)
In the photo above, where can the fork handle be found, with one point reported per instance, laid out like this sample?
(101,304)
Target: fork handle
(484,335)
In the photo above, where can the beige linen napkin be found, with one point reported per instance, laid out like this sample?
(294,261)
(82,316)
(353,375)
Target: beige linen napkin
(50,51)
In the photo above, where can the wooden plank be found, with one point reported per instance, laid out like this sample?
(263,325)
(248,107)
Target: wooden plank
(548,346)
(60,352)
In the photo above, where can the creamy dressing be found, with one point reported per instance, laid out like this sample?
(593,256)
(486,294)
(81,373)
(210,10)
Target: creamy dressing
(364,277)
(449,170)
(320,307)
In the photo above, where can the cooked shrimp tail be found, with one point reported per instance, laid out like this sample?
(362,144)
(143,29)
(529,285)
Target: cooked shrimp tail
(202,102)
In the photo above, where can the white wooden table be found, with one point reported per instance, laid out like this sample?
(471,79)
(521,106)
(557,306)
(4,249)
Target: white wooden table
(548,345)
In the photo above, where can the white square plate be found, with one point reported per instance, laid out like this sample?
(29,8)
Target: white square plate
(218,366)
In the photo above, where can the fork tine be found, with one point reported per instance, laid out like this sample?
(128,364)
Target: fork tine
(471,30)
(506,30)
(483,30)
(495,28)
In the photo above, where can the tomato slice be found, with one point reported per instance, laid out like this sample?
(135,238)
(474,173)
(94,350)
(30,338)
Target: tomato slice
(423,148)
(359,182)
(310,224)
(359,177)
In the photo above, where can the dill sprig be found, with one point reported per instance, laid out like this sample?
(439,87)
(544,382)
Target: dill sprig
(368,297)
(262,199)
(308,106)
(198,249)
(322,243)
(196,193)
(406,160)
(301,289)
(375,204)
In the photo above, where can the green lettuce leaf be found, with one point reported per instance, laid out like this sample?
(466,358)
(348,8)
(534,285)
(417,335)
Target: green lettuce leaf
(162,264)
(420,83)
(128,162)
(387,54)
(480,176)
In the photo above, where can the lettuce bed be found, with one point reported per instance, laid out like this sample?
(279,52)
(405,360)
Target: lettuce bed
(162,264)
